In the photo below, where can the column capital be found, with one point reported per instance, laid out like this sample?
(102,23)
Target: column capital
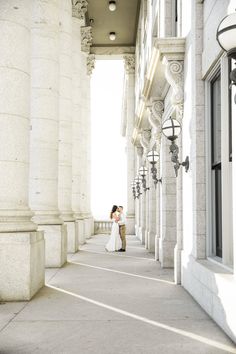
(174,73)
(86,38)
(129,60)
(90,64)
(79,8)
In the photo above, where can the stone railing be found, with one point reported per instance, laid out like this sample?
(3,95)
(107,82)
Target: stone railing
(102,226)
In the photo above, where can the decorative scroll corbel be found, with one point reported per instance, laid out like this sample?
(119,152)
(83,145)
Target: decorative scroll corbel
(174,73)
(145,137)
(79,8)
(156,109)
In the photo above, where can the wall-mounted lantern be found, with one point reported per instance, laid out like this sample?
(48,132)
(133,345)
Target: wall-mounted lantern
(225,35)
(153,157)
(143,173)
(171,128)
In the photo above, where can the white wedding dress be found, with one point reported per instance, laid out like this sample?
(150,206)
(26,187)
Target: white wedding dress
(114,243)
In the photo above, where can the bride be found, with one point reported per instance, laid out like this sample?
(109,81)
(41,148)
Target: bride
(114,243)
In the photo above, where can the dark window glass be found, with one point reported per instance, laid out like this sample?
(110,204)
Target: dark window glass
(216,163)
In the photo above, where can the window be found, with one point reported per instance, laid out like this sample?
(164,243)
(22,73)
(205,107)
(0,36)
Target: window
(216,164)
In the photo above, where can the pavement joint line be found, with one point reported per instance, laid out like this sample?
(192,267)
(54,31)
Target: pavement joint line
(15,315)
(125,273)
(116,255)
(228,349)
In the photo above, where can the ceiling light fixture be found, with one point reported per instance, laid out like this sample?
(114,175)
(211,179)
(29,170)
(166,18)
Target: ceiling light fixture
(112,36)
(112,5)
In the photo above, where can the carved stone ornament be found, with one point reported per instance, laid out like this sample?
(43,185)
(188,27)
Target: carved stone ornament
(145,137)
(79,8)
(175,76)
(86,38)
(139,151)
(90,63)
(129,63)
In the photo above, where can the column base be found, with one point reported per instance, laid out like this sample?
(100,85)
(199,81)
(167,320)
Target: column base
(142,235)
(72,237)
(130,225)
(55,245)
(177,265)
(166,253)
(146,239)
(80,231)
(22,259)
(157,240)
(87,228)
(151,241)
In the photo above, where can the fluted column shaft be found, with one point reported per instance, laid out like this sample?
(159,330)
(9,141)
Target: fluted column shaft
(65,124)
(21,247)
(77,128)
(45,128)
(130,77)
(85,157)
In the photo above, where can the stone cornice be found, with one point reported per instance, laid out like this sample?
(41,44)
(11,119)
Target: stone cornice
(86,38)
(116,52)
(79,8)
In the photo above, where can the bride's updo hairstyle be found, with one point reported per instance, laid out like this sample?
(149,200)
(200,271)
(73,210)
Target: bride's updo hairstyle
(114,208)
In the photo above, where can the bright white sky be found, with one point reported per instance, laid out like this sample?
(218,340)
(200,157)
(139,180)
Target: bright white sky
(108,146)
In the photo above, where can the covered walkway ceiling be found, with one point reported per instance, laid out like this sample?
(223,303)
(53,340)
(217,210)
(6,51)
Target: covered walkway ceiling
(123,21)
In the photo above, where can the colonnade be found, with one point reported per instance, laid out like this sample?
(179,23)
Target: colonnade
(45,140)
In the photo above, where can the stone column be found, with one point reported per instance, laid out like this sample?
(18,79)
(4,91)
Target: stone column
(168,209)
(139,155)
(152,213)
(21,246)
(90,66)
(144,141)
(78,10)
(156,108)
(87,63)
(138,224)
(43,191)
(174,73)
(65,124)
(147,230)
(130,91)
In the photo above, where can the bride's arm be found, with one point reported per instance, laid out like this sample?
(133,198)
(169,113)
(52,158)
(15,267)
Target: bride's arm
(116,217)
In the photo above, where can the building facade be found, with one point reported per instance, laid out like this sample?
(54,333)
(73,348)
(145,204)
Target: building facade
(185,215)
(188,220)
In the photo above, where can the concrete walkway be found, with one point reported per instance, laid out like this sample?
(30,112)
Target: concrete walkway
(107,303)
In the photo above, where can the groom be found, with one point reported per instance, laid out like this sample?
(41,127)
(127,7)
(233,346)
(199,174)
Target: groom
(122,230)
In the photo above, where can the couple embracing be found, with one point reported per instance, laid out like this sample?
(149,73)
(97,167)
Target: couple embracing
(117,241)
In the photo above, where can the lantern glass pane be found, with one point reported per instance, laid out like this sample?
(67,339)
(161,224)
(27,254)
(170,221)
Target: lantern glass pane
(143,171)
(171,128)
(153,156)
(226,38)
